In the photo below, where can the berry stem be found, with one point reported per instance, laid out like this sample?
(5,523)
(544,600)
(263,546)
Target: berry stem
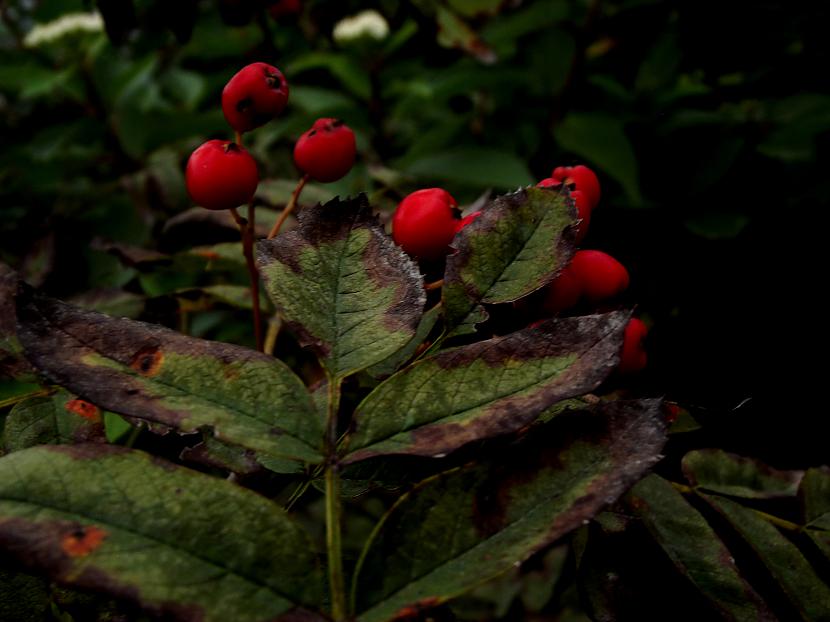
(246,228)
(238,138)
(434,285)
(289,207)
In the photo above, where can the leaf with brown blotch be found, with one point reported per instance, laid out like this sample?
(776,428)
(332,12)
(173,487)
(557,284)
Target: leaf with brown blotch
(517,245)
(343,286)
(181,545)
(718,471)
(485,389)
(163,377)
(458,529)
(56,419)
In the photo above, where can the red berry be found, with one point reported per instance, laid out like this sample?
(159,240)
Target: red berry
(221,175)
(563,292)
(579,178)
(460,224)
(327,151)
(633,357)
(255,95)
(583,207)
(424,223)
(601,276)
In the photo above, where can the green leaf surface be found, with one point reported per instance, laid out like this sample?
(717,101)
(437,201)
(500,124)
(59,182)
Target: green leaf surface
(393,362)
(602,141)
(180,544)
(160,376)
(516,246)
(461,528)
(718,471)
(485,389)
(474,166)
(56,419)
(815,494)
(807,591)
(343,286)
(695,549)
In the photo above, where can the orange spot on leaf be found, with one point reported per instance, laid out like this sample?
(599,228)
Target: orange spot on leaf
(147,361)
(84,409)
(82,541)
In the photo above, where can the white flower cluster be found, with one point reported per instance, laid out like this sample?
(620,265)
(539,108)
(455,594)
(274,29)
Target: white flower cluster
(369,24)
(64,25)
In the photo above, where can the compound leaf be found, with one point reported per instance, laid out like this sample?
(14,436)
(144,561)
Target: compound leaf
(718,471)
(695,549)
(486,389)
(808,593)
(160,376)
(343,286)
(458,529)
(516,246)
(180,544)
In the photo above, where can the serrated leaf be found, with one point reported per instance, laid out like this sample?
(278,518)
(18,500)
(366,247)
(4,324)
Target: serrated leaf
(456,530)
(718,471)
(160,376)
(695,549)
(485,389)
(343,286)
(807,592)
(392,363)
(180,544)
(56,419)
(516,246)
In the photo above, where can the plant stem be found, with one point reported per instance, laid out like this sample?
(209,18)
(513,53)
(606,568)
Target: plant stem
(337,584)
(289,207)
(434,285)
(274,325)
(246,228)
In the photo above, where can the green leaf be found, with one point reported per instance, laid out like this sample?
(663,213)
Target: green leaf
(160,376)
(815,494)
(695,549)
(55,419)
(180,544)
(808,593)
(516,246)
(478,167)
(461,528)
(602,141)
(485,389)
(393,362)
(717,471)
(454,32)
(347,70)
(343,286)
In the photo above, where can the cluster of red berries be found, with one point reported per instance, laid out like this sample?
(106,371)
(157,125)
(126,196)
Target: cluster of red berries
(221,174)
(427,220)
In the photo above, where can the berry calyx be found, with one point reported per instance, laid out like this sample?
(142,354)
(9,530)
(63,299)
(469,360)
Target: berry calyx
(580,178)
(583,206)
(253,96)
(327,151)
(601,276)
(221,175)
(633,356)
(424,223)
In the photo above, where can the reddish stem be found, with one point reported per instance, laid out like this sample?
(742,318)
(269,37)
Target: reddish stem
(246,228)
(289,207)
